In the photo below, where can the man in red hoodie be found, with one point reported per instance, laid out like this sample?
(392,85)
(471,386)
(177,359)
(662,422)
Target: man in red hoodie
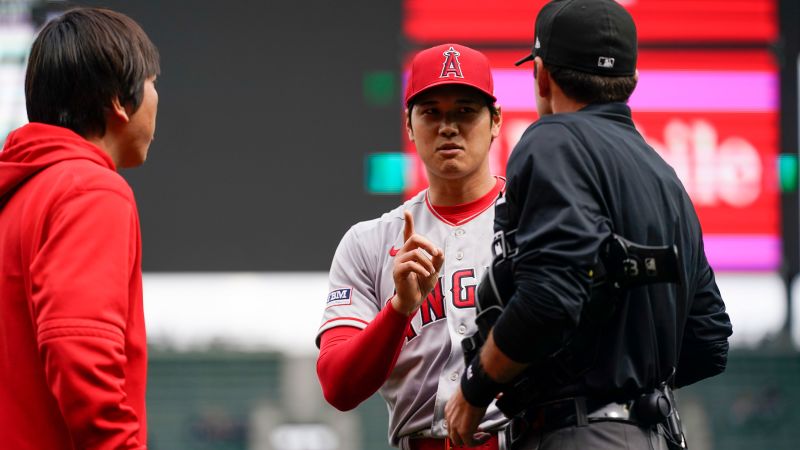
(73,355)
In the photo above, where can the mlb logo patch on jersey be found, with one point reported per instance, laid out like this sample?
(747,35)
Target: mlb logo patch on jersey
(339,297)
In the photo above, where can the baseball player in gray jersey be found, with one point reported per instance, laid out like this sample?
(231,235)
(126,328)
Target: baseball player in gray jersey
(402,287)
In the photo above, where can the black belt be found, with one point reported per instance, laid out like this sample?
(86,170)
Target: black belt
(574,411)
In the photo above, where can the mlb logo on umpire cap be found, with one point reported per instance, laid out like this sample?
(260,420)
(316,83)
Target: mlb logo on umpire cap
(449,64)
(605,62)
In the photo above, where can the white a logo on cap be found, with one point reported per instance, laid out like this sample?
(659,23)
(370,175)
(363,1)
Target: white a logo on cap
(605,62)
(451,66)
(537,44)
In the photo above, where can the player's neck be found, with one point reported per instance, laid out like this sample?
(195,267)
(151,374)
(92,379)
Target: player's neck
(446,192)
(106,144)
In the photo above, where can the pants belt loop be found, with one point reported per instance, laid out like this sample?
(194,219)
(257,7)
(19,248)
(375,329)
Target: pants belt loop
(580,412)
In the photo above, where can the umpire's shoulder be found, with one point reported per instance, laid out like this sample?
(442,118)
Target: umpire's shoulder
(545,135)
(553,126)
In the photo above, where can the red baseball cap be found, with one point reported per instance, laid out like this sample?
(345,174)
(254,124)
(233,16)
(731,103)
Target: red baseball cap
(449,64)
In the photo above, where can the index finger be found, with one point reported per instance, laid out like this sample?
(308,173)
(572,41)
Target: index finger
(408,229)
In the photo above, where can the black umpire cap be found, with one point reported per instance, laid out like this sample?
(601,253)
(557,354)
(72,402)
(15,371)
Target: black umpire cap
(592,36)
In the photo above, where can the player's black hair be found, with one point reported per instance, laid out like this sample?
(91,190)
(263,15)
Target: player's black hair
(590,88)
(80,62)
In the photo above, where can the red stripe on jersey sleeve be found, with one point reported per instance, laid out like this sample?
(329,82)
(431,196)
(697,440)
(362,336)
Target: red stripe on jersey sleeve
(345,318)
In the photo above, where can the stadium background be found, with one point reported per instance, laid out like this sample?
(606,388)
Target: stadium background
(280,125)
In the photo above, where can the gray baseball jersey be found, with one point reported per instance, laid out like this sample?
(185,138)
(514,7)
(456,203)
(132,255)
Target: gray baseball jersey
(431,361)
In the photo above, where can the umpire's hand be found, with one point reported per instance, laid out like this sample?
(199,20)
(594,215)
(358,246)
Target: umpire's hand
(462,421)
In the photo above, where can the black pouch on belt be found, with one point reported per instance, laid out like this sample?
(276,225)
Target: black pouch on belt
(658,408)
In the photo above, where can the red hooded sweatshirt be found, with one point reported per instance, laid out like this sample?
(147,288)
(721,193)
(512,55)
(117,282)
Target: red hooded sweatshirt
(73,355)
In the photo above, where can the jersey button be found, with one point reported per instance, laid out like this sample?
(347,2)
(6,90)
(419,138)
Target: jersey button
(454,376)
(460,232)
(460,256)
(462,329)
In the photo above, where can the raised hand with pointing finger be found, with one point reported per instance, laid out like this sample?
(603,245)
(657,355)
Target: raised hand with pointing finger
(416,269)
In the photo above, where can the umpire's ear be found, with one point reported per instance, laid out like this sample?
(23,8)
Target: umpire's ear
(542,78)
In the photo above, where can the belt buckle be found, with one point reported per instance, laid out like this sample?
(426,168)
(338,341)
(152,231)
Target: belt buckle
(613,411)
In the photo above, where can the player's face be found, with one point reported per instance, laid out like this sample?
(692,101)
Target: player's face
(140,129)
(452,129)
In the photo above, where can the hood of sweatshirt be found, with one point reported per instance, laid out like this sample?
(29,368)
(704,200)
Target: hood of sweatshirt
(36,146)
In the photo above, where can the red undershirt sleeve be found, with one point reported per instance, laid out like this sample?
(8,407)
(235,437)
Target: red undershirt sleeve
(353,364)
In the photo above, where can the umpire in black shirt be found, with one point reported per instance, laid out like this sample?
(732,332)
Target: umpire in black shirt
(578,174)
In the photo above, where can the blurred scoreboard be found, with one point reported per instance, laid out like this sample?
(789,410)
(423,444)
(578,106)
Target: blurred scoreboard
(668,21)
(707,101)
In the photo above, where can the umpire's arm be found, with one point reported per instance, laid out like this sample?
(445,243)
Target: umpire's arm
(704,347)
(553,191)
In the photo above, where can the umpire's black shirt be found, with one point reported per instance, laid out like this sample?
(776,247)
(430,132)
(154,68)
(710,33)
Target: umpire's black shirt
(572,179)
